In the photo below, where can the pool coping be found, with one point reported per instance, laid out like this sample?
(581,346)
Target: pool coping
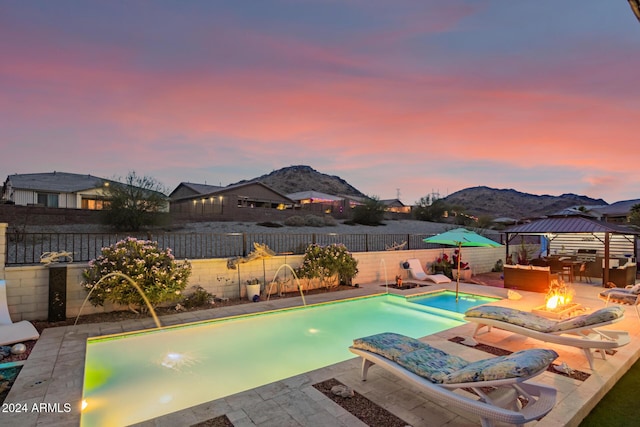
(53,374)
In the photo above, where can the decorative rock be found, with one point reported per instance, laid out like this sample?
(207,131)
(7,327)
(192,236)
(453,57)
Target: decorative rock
(5,351)
(18,349)
(513,295)
(342,391)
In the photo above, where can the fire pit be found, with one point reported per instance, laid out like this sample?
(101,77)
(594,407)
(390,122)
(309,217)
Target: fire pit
(558,302)
(560,312)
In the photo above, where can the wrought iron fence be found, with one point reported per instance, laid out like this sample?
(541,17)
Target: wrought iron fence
(26,248)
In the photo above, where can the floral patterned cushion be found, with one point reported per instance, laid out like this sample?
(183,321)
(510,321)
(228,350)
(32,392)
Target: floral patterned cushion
(431,363)
(515,317)
(620,296)
(606,314)
(388,344)
(440,367)
(523,363)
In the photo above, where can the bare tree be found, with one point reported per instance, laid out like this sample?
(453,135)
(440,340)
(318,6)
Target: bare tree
(135,202)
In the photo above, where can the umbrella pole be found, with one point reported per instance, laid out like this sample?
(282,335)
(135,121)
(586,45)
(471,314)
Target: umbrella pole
(458,275)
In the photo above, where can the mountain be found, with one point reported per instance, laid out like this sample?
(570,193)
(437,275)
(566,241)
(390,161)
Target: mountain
(293,179)
(514,204)
(475,200)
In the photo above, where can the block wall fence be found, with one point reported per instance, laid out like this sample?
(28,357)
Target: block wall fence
(28,286)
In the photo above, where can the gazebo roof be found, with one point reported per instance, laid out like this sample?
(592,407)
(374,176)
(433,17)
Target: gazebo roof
(571,224)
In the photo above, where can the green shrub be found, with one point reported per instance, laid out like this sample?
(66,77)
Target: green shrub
(371,212)
(154,270)
(294,221)
(198,298)
(313,221)
(330,221)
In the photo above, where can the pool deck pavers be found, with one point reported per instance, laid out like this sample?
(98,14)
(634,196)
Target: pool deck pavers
(53,373)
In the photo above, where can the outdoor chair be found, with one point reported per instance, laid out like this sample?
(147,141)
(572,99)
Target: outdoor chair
(11,333)
(581,332)
(416,271)
(629,295)
(498,384)
(582,273)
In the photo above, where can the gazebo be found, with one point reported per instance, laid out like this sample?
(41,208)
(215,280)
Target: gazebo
(582,231)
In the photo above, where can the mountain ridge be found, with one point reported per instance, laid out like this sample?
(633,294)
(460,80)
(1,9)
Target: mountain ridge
(478,201)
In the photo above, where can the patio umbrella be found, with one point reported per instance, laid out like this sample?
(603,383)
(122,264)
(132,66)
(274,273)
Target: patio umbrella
(461,237)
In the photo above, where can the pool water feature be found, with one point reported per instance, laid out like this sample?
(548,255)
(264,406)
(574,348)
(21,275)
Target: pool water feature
(446,301)
(138,376)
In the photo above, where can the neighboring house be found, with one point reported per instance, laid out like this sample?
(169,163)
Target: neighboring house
(305,197)
(396,206)
(617,212)
(56,190)
(202,199)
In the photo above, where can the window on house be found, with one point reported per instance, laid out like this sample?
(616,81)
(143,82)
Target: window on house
(94,204)
(48,199)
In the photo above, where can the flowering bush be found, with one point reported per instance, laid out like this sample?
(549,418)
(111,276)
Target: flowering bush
(331,264)
(154,270)
(443,265)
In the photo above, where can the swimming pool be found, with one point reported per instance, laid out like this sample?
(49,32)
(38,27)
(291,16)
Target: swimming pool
(446,300)
(135,377)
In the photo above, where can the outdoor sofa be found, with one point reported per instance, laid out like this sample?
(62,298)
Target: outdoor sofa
(528,278)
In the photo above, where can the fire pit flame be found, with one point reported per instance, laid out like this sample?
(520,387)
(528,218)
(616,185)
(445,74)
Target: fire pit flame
(559,295)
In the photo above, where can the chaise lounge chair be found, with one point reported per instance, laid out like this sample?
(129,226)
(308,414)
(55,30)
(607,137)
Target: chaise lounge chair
(10,332)
(416,271)
(498,383)
(628,295)
(577,331)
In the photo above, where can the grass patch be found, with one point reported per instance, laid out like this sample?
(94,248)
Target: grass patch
(618,407)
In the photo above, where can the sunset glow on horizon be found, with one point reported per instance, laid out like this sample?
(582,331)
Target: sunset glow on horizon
(415,96)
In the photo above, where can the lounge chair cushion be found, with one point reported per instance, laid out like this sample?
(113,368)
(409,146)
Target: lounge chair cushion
(606,314)
(523,363)
(620,296)
(431,363)
(538,323)
(440,367)
(515,317)
(388,344)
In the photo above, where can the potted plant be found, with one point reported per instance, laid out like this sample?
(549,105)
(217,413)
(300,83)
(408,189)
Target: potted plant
(253,290)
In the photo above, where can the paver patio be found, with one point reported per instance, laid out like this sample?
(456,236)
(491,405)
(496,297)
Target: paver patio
(54,373)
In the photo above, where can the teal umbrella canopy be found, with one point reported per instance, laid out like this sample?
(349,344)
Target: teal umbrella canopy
(461,237)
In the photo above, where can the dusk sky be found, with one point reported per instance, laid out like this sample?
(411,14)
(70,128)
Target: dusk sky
(410,96)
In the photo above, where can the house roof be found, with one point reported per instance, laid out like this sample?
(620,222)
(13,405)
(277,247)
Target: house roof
(197,188)
(571,224)
(314,195)
(617,208)
(392,202)
(211,190)
(55,182)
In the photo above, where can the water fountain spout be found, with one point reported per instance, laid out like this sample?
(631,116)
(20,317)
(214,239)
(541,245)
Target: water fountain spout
(132,283)
(384,264)
(295,276)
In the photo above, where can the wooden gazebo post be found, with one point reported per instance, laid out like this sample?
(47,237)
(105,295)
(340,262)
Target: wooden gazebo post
(605,270)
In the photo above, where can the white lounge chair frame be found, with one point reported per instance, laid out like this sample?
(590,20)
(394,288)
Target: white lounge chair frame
(500,405)
(416,271)
(587,338)
(621,293)
(11,333)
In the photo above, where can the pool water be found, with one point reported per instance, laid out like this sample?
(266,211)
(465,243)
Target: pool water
(446,300)
(135,377)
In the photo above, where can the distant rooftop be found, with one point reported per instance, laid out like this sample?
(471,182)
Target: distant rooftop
(56,181)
